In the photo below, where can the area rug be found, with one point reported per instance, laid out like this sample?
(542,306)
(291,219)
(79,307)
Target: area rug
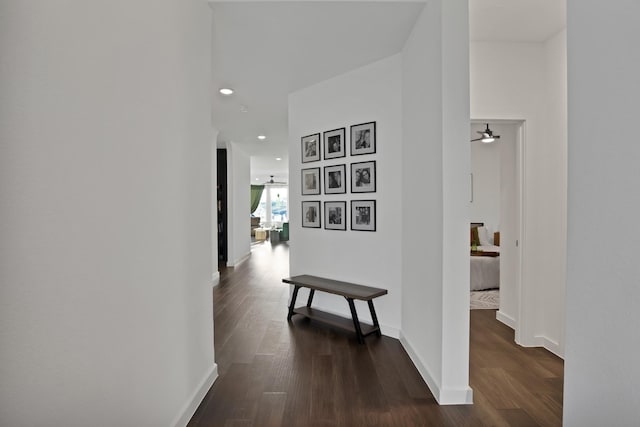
(485,300)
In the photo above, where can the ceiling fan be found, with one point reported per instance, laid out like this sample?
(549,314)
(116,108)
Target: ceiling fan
(487,135)
(272,182)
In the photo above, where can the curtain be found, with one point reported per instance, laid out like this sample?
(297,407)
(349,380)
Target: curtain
(256,194)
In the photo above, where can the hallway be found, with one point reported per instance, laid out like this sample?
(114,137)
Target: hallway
(273,373)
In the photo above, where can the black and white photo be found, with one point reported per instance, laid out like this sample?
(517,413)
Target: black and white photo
(334,144)
(363,139)
(311,214)
(363,177)
(310,181)
(334,179)
(335,215)
(311,148)
(363,215)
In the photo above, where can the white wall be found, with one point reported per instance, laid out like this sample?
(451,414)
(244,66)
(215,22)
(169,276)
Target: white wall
(215,274)
(509,221)
(239,204)
(555,158)
(105,256)
(524,81)
(370,93)
(435,199)
(601,369)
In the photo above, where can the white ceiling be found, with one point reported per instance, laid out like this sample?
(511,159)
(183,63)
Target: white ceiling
(264,50)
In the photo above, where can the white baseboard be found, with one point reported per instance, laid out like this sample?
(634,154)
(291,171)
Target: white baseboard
(550,345)
(535,341)
(507,320)
(422,369)
(544,342)
(238,261)
(451,396)
(215,279)
(443,396)
(198,396)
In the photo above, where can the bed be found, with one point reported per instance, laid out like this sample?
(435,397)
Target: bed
(485,270)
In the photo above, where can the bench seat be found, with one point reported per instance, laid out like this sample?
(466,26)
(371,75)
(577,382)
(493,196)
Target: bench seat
(350,291)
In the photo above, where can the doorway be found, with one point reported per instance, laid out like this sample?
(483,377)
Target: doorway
(497,203)
(221,203)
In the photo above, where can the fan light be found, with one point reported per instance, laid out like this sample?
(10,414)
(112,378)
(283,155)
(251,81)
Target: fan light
(487,136)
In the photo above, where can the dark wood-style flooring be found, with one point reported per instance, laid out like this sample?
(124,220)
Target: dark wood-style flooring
(275,373)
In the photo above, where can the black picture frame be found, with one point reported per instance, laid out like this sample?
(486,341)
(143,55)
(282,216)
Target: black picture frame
(311,148)
(363,215)
(363,177)
(335,215)
(363,139)
(310,181)
(311,215)
(335,179)
(334,143)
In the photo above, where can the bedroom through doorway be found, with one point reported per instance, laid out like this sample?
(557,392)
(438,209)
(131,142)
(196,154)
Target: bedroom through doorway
(495,214)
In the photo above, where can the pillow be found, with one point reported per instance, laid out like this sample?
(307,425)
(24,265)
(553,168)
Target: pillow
(483,236)
(475,240)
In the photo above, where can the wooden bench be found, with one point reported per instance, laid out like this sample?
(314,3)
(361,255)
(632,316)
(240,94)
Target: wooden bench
(349,291)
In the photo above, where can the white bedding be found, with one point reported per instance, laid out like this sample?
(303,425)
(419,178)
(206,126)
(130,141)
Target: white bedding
(485,271)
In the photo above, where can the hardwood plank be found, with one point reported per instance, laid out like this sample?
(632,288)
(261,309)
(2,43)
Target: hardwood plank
(271,409)
(272,337)
(303,373)
(518,417)
(238,423)
(370,393)
(322,385)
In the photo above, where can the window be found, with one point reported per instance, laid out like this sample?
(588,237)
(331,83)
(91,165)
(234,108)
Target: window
(279,204)
(277,198)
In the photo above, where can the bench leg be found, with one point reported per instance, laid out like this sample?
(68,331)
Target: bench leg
(356,322)
(293,301)
(374,318)
(311,293)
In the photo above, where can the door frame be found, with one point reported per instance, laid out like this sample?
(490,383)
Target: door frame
(521,321)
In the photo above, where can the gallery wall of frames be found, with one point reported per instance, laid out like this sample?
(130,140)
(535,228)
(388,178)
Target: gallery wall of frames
(333,166)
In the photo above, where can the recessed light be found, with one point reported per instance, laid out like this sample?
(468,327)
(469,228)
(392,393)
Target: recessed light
(278,158)
(261,137)
(226,91)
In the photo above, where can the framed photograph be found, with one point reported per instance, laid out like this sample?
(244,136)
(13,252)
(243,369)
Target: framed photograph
(334,179)
(334,144)
(310,181)
(363,177)
(311,148)
(363,139)
(311,214)
(363,215)
(335,215)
